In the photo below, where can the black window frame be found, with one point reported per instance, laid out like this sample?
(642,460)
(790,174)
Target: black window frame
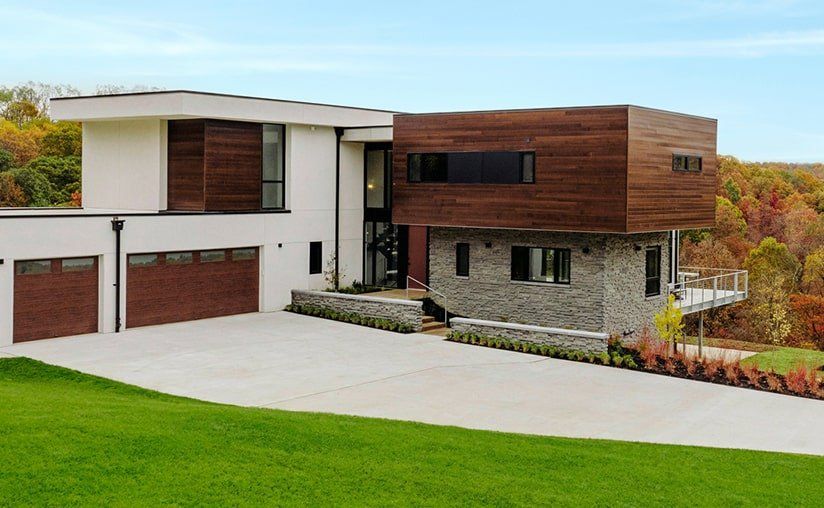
(315,258)
(656,277)
(282,180)
(417,161)
(687,160)
(561,264)
(462,259)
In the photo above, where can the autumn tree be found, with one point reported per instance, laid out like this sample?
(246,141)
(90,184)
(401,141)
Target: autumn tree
(812,278)
(773,272)
(809,313)
(10,193)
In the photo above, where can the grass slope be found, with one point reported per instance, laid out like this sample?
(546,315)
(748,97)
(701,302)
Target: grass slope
(68,438)
(783,359)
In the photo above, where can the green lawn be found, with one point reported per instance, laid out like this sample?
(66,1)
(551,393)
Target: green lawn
(68,438)
(783,359)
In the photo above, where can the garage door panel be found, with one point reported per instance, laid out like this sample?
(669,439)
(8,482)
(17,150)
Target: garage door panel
(182,291)
(57,303)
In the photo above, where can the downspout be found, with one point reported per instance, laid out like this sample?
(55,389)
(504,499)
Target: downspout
(338,135)
(117,227)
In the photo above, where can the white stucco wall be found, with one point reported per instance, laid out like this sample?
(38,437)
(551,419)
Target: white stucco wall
(124,165)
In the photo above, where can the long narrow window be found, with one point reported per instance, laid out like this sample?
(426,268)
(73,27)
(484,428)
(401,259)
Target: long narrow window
(538,264)
(273,174)
(653,271)
(315,257)
(462,260)
(472,167)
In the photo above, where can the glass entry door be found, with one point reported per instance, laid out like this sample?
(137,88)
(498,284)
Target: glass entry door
(381,254)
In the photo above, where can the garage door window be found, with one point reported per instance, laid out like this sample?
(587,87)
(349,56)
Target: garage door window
(243,254)
(33,267)
(178,258)
(77,264)
(211,256)
(143,260)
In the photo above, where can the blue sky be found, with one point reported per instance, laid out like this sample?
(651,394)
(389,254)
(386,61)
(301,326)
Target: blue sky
(757,66)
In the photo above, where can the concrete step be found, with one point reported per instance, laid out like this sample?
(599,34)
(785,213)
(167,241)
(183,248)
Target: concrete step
(428,319)
(432,325)
(440,332)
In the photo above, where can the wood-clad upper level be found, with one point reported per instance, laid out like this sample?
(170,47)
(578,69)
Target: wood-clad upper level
(599,169)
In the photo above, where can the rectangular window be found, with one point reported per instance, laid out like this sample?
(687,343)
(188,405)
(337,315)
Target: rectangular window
(212,256)
(376,173)
(653,271)
(538,264)
(77,264)
(462,260)
(273,174)
(528,167)
(178,258)
(32,267)
(472,167)
(138,260)
(243,254)
(686,163)
(315,257)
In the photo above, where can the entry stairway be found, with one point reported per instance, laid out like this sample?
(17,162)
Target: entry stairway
(434,327)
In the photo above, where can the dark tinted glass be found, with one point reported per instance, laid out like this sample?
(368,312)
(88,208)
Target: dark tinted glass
(679,163)
(462,259)
(653,271)
(694,163)
(465,167)
(501,167)
(315,257)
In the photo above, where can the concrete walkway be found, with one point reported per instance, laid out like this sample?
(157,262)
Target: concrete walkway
(287,361)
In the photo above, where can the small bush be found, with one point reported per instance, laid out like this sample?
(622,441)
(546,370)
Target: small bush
(604,358)
(798,379)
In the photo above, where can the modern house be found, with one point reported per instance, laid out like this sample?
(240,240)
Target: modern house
(199,205)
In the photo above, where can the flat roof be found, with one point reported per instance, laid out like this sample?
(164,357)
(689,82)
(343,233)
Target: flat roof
(556,108)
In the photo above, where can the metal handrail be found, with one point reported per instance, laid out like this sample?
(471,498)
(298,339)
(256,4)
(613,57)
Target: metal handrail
(428,288)
(728,282)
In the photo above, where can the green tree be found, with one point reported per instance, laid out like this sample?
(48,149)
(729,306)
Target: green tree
(812,279)
(6,160)
(733,190)
(772,260)
(35,186)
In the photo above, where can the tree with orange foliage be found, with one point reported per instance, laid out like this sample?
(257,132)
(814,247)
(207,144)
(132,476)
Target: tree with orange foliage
(809,312)
(10,193)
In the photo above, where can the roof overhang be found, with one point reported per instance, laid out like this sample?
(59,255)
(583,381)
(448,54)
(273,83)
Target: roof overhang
(187,104)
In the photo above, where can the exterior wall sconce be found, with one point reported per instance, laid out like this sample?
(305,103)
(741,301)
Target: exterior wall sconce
(637,248)
(488,245)
(280,246)
(585,250)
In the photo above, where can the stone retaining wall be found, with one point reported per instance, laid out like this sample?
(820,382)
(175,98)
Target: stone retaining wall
(570,340)
(402,311)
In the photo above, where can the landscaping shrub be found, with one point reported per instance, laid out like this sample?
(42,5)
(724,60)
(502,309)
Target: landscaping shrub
(350,317)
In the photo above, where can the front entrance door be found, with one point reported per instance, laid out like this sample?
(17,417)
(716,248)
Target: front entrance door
(381,254)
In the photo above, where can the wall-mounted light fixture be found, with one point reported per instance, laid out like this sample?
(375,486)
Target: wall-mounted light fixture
(488,245)
(637,247)
(585,250)
(2,261)
(280,246)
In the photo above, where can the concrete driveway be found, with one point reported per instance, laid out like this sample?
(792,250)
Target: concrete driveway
(288,361)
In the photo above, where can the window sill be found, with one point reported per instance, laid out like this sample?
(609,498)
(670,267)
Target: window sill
(462,277)
(540,284)
(652,297)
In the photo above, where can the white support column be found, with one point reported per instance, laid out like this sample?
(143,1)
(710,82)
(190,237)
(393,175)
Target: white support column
(6,302)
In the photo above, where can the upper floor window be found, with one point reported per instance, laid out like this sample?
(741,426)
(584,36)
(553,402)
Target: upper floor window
(472,167)
(539,264)
(378,177)
(653,271)
(273,174)
(686,163)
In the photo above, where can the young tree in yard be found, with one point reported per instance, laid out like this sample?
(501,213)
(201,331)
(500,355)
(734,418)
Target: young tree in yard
(670,323)
(10,193)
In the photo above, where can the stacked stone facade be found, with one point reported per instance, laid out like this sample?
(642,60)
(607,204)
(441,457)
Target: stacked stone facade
(605,293)
(401,311)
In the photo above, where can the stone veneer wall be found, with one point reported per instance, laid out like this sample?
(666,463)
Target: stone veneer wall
(605,294)
(568,340)
(402,311)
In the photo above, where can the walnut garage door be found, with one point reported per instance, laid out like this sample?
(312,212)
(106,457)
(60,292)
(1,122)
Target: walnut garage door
(166,287)
(54,298)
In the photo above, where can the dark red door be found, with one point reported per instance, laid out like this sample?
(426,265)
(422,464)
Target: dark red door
(417,254)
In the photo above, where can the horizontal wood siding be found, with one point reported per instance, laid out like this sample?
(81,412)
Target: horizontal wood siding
(55,304)
(183,292)
(185,165)
(580,169)
(659,198)
(232,160)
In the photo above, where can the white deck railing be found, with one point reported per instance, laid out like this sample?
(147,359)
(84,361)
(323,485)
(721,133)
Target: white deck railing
(699,289)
